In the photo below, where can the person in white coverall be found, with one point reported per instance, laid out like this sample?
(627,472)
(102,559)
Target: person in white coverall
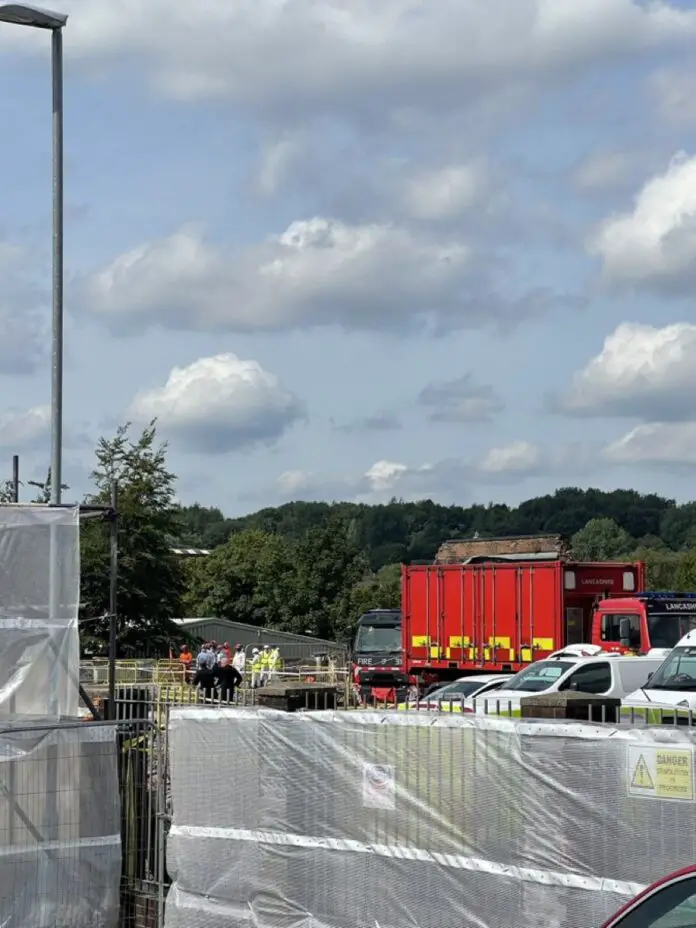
(256,668)
(239,659)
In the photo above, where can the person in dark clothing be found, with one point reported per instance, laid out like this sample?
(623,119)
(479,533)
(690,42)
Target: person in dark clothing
(205,673)
(228,679)
(205,681)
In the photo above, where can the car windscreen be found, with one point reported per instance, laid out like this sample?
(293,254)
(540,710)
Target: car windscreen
(677,672)
(459,690)
(538,677)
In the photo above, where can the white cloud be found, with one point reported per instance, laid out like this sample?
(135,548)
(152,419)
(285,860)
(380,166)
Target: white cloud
(517,458)
(21,322)
(287,55)
(602,171)
(277,158)
(642,371)
(444,480)
(382,421)
(317,272)
(385,475)
(219,404)
(292,481)
(460,400)
(25,429)
(21,345)
(444,193)
(655,244)
(674,92)
(666,444)
(28,430)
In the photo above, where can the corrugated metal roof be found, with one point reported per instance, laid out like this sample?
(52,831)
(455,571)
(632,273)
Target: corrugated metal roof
(244,630)
(535,556)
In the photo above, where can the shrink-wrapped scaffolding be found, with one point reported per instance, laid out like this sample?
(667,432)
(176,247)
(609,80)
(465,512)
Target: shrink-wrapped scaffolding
(39,602)
(60,843)
(416,820)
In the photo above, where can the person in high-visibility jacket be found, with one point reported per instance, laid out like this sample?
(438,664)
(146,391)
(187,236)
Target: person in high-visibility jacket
(265,665)
(256,668)
(274,662)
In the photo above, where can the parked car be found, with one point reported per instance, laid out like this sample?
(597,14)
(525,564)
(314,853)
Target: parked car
(449,696)
(669,696)
(602,675)
(668,903)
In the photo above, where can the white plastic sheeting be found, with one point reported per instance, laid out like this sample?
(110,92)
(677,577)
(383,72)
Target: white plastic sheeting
(357,819)
(60,844)
(39,602)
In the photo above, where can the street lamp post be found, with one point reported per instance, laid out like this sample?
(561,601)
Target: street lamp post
(20,14)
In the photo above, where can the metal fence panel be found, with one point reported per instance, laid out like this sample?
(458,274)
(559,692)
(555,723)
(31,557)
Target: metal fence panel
(142,775)
(430,820)
(60,843)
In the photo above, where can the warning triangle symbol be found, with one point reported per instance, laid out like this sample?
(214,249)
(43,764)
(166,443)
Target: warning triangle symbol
(641,775)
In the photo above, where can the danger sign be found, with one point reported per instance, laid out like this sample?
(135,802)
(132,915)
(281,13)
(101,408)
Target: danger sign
(656,772)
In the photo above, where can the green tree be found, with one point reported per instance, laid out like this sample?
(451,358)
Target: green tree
(685,573)
(602,540)
(378,591)
(330,565)
(150,579)
(202,527)
(413,531)
(661,565)
(678,526)
(252,578)
(43,488)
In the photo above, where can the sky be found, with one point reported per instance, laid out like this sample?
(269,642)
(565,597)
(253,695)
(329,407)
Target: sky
(342,249)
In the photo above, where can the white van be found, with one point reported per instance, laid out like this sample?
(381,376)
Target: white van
(604,674)
(672,686)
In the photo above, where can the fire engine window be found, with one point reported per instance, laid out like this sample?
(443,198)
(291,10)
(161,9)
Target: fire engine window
(611,626)
(595,678)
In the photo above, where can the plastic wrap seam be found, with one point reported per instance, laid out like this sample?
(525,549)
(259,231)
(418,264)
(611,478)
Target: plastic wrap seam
(400,852)
(47,847)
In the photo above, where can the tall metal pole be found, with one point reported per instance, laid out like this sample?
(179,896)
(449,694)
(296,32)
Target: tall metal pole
(56,367)
(113,601)
(15,478)
(57,289)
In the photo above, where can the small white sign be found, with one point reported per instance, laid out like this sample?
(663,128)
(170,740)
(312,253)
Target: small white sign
(378,786)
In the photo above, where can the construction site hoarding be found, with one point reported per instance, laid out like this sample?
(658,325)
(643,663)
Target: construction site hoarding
(345,819)
(60,824)
(39,603)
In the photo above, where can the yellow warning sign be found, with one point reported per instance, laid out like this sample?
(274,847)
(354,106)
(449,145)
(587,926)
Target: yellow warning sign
(675,778)
(657,772)
(641,775)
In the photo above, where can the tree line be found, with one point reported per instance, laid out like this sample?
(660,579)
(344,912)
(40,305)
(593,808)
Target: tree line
(313,567)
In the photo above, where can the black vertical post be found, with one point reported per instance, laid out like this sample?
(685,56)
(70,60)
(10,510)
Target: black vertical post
(113,600)
(15,478)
